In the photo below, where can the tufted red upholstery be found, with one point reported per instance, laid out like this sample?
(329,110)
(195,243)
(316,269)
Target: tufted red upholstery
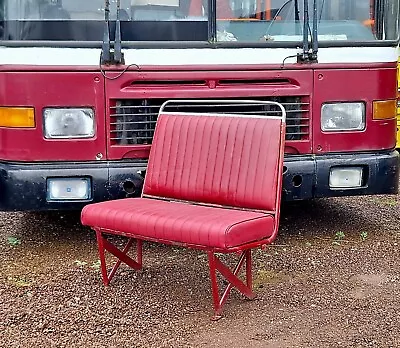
(214,159)
(172,222)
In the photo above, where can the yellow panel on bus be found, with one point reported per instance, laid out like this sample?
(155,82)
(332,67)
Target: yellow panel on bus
(398,106)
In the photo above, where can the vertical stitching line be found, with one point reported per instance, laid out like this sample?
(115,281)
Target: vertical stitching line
(208,156)
(261,147)
(224,154)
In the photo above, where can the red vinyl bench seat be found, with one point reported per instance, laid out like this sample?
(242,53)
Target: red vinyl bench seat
(213,182)
(172,222)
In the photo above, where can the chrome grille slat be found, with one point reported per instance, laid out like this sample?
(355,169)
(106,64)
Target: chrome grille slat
(134,114)
(206,106)
(132,121)
(135,131)
(139,138)
(300,125)
(244,112)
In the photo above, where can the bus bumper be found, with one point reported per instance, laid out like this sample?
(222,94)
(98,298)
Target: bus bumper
(25,187)
(309,176)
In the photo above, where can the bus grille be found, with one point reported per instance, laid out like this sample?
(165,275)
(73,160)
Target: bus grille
(132,121)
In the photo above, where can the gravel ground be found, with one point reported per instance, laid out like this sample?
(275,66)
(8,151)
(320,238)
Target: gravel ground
(330,280)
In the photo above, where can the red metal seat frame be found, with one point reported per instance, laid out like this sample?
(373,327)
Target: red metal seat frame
(215,264)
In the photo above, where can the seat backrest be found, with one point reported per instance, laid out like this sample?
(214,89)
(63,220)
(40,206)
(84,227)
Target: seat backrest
(228,160)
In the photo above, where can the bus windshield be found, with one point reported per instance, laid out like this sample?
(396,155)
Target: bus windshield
(282,20)
(246,21)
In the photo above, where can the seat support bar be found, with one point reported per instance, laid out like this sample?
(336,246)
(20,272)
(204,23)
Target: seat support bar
(232,278)
(122,256)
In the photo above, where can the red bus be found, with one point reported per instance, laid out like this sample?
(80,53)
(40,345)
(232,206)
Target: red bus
(82,82)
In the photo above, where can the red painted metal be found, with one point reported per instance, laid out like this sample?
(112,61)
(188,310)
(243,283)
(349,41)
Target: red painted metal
(249,275)
(51,89)
(252,245)
(104,244)
(214,285)
(81,86)
(209,84)
(193,229)
(342,85)
(233,280)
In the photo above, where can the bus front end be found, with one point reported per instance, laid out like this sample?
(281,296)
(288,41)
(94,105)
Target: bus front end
(82,83)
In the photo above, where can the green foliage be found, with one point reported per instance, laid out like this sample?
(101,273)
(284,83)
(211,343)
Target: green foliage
(339,236)
(20,282)
(13,241)
(363,235)
(96,265)
(80,263)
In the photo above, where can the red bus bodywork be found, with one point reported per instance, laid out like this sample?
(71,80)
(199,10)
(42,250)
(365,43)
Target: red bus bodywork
(116,169)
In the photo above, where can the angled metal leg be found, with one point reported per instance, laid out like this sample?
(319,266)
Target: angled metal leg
(102,256)
(249,274)
(104,244)
(232,278)
(214,286)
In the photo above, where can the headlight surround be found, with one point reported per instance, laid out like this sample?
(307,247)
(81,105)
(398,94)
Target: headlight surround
(336,117)
(68,123)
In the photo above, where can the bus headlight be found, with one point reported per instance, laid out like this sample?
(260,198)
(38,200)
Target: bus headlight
(343,117)
(68,123)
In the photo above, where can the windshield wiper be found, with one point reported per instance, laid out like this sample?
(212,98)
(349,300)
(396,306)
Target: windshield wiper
(309,55)
(314,53)
(118,55)
(297,17)
(112,56)
(306,26)
(106,45)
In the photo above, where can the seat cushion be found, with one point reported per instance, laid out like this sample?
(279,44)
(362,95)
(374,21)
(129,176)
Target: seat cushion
(181,223)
